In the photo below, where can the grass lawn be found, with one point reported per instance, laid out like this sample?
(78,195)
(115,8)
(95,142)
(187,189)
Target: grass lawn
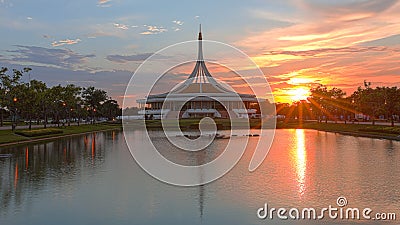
(345,128)
(7,136)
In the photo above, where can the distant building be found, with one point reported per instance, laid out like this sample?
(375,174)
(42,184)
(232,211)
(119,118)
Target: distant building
(200,95)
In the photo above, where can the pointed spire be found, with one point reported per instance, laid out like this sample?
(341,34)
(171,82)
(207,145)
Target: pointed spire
(200,53)
(200,75)
(200,36)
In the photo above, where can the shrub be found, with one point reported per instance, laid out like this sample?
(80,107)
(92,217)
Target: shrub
(39,132)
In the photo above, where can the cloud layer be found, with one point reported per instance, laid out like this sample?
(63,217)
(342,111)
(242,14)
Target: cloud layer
(45,56)
(128,58)
(334,43)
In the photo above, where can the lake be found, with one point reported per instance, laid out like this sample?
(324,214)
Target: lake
(93,179)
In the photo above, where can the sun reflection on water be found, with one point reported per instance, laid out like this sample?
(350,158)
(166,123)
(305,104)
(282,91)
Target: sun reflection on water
(301,161)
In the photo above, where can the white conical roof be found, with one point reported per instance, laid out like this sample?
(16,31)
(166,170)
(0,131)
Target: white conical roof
(200,80)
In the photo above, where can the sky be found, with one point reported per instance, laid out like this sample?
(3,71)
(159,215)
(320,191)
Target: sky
(296,43)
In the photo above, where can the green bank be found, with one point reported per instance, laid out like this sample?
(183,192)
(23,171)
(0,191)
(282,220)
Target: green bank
(7,137)
(362,130)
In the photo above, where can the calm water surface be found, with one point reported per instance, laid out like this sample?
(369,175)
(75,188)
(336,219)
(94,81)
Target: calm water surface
(92,179)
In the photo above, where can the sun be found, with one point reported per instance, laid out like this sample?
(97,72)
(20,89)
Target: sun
(298,94)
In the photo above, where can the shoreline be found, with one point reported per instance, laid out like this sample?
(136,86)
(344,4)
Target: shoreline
(355,130)
(28,140)
(375,136)
(354,134)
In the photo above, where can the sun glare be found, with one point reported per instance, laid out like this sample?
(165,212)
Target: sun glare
(299,93)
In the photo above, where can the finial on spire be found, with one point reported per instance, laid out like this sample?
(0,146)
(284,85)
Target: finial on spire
(200,36)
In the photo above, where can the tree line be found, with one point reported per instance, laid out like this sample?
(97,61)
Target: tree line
(35,102)
(364,104)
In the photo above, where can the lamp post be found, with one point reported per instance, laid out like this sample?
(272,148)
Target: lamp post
(14,119)
(65,113)
(69,116)
(88,115)
(354,107)
(94,115)
(323,114)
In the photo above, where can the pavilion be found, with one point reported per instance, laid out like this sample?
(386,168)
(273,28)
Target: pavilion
(200,95)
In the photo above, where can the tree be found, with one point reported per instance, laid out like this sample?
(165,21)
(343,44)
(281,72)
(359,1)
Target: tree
(80,110)
(319,99)
(70,98)
(377,101)
(2,95)
(110,109)
(336,101)
(46,103)
(370,101)
(327,102)
(25,101)
(55,103)
(93,98)
(391,101)
(34,100)
(11,93)
(38,91)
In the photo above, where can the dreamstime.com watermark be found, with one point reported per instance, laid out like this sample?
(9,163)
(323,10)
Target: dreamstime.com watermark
(340,211)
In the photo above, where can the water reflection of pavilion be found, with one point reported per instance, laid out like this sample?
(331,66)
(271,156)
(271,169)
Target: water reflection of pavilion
(200,160)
